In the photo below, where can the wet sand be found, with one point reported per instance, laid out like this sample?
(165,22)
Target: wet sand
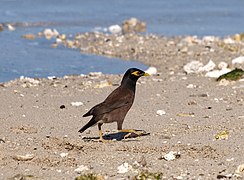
(38,118)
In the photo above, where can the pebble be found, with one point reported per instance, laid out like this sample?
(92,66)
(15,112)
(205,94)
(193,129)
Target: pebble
(95,74)
(26,157)
(222,65)
(161,112)
(239,60)
(240,169)
(217,73)
(192,67)
(10,27)
(49,33)
(197,67)
(63,154)
(124,168)
(208,67)
(133,25)
(151,70)
(29,36)
(115,29)
(81,168)
(191,86)
(77,104)
(171,155)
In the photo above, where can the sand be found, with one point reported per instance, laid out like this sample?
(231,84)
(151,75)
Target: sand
(38,119)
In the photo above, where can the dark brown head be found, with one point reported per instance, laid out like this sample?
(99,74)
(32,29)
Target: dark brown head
(131,76)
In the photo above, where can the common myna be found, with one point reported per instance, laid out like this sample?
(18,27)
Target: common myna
(115,107)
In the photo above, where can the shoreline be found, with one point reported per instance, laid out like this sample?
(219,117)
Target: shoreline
(197,110)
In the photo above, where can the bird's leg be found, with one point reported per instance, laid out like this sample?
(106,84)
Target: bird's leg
(101,133)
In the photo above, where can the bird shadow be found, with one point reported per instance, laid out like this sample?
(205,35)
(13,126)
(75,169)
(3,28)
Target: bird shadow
(118,136)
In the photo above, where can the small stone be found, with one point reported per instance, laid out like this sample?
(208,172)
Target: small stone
(63,154)
(217,73)
(26,157)
(124,168)
(184,50)
(190,86)
(10,27)
(77,104)
(222,65)
(240,169)
(81,168)
(192,67)
(62,107)
(151,70)
(161,112)
(115,29)
(29,36)
(239,60)
(171,155)
(95,74)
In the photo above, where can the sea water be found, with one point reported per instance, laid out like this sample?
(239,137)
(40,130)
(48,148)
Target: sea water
(20,57)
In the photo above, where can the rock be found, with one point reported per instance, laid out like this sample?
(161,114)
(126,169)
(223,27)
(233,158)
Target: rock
(10,27)
(64,154)
(222,65)
(210,39)
(228,41)
(62,107)
(184,50)
(1,27)
(208,67)
(115,29)
(240,169)
(22,177)
(124,168)
(239,60)
(191,86)
(81,168)
(26,157)
(171,155)
(217,73)
(95,74)
(197,67)
(29,36)
(49,33)
(151,70)
(133,25)
(77,104)
(161,112)
(192,67)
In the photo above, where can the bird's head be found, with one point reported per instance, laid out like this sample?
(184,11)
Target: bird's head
(133,74)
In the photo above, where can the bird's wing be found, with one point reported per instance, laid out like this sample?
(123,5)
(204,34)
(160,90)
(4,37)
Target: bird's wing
(117,99)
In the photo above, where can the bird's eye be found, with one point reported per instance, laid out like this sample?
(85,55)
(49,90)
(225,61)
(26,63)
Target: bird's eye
(136,73)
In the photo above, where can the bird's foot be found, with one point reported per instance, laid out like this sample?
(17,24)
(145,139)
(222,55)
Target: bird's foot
(104,140)
(132,133)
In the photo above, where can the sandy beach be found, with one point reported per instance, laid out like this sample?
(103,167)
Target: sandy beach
(201,119)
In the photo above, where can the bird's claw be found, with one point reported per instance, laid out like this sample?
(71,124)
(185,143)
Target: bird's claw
(135,133)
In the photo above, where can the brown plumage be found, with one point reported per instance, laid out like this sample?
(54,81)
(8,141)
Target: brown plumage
(115,107)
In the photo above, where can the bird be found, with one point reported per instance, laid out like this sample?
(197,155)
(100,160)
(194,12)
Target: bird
(115,107)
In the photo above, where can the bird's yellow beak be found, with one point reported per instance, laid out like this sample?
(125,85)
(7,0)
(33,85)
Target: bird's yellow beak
(146,74)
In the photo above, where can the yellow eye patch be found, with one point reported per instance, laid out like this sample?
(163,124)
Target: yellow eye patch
(136,73)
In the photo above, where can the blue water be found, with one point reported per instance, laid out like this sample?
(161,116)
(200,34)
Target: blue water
(36,59)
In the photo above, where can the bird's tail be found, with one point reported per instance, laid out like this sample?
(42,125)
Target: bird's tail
(89,124)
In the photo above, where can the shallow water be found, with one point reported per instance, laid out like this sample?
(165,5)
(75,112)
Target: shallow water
(36,59)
